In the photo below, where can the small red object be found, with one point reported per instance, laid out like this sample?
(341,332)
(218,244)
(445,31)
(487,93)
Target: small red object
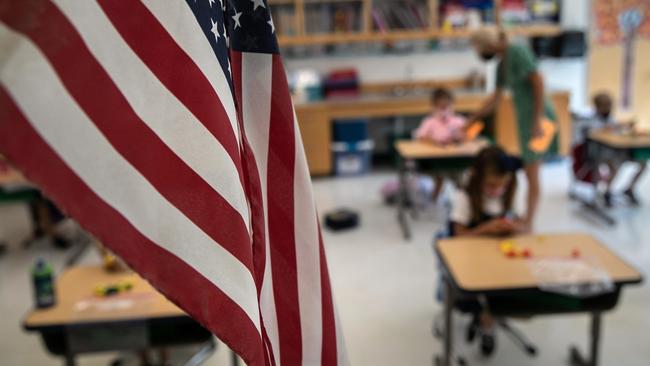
(575,253)
(511,253)
(526,253)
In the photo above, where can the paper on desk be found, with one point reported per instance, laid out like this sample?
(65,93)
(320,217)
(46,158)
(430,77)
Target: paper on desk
(578,277)
(114,303)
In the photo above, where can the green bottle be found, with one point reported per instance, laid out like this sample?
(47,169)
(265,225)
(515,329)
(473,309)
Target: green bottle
(43,278)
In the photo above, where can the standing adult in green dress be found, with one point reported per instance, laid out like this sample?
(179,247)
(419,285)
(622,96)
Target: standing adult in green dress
(517,72)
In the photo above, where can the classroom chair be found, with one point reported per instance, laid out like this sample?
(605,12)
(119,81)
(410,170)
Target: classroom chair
(586,172)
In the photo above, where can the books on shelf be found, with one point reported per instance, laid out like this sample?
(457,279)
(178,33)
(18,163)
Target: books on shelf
(333,17)
(465,13)
(400,15)
(284,19)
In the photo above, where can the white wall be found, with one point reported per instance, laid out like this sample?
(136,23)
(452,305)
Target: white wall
(431,65)
(563,74)
(567,74)
(575,14)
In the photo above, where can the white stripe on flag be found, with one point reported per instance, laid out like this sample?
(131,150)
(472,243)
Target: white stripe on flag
(341,350)
(156,106)
(179,21)
(36,88)
(307,257)
(257,74)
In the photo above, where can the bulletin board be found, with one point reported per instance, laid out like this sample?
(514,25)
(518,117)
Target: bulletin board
(619,57)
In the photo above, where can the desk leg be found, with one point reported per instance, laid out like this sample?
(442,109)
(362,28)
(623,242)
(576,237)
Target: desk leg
(402,200)
(446,359)
(595,338)
(577,359)
(70,359)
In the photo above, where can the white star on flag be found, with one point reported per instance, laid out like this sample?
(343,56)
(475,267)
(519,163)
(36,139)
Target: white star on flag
(226,38)
(257,3)
(270,22)
(215,30)
(236,19)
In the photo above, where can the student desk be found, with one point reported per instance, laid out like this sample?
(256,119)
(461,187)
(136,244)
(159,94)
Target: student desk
(477,266)
(141,318)
(432,158)
(632,147)
(637,147)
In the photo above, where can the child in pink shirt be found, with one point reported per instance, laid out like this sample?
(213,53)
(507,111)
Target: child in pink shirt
(441,127)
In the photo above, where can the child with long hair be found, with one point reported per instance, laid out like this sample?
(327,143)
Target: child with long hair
(484,207)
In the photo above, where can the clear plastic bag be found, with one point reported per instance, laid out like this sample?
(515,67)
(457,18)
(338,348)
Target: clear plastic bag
(577,277)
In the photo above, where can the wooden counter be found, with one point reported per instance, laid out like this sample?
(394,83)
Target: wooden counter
(315,120)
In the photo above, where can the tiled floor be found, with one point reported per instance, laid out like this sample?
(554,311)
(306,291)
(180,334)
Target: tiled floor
(384,285)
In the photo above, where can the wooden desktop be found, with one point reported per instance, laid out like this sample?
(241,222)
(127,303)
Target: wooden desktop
(141,318)
(477,266)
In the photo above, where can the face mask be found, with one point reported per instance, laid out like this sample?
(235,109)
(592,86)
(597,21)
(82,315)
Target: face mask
(604,115)
(495,193)
(443,112)
(487,56)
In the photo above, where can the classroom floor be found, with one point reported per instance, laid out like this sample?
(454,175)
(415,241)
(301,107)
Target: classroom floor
(384,285)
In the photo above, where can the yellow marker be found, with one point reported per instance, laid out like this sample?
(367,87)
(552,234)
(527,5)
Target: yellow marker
(507,246)
(112,289)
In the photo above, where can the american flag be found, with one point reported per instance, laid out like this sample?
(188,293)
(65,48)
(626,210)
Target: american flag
(167,130)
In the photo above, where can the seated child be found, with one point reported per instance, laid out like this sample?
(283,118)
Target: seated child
(602,118)
(484,207)
(442,126)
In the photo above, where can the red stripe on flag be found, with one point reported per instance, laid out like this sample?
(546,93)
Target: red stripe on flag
(174,278)
(254,193)
(174,68)
(329,351)
(102,101)
(281,163)
(253,186)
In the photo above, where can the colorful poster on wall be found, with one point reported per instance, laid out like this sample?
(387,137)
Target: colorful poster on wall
(619,61)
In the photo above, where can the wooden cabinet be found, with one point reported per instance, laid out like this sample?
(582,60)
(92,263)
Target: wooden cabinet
(316,132)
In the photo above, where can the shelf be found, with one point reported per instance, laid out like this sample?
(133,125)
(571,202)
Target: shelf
(281,2)
(533,30)
(289,2)
(331,1)
(408,35)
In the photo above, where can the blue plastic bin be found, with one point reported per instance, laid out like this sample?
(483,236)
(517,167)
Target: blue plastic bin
(352,158)
(350,131)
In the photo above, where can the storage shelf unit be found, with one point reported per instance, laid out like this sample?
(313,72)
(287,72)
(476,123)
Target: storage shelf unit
(300,37)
